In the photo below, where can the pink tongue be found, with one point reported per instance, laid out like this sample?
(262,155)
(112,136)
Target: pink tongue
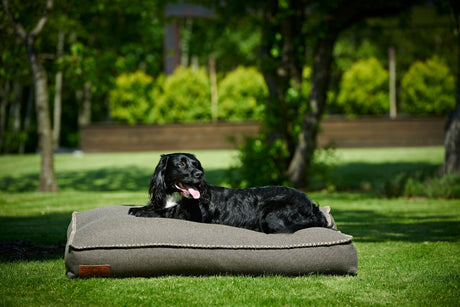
(189,190)
(194,192)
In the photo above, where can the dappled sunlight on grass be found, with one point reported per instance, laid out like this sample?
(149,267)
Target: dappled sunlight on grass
(100,172)
(370,226)
(358,175)
(407,248)
(370,219)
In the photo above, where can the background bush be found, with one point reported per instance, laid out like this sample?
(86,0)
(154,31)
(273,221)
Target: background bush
(131,98)
(447,186)
(258,163)
(183,96)
(364,89)
(428,88)
(242,94)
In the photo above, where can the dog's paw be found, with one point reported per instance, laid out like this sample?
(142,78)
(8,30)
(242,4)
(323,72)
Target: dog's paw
(135,211)
(145,211)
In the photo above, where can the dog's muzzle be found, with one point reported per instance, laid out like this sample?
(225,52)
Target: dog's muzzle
(188,190)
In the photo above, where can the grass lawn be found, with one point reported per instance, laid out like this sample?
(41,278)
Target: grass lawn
(408,249)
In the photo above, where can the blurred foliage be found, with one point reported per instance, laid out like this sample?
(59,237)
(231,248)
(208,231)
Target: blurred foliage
(364,89)
(428,88)
(263,170)
(131,99)
(183,96)
(419,185)
(242,94)
(233,40)
(447,186)
(105,39)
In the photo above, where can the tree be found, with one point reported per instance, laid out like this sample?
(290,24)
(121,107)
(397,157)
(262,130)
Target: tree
(336,17)
(292,31)
(47,179)
(58,92)
(452,139)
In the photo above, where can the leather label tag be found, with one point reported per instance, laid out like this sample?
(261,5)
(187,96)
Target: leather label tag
(94,271)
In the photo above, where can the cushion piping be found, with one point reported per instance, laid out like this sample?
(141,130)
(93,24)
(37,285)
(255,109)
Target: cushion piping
(197,246)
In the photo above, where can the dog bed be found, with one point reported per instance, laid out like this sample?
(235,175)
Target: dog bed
(107,242)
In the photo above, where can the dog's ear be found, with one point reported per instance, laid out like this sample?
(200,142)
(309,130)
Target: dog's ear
(157,188)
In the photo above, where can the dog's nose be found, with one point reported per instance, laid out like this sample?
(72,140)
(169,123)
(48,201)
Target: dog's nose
(198,174)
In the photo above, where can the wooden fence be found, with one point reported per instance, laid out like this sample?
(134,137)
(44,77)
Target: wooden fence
(342,133)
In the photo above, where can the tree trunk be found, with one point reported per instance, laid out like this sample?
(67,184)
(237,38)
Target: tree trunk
(28,115)
(84,97)
(14,119)
(4,93)
(303,155)
(15,109)
(283,58)
(392,81)
(213,84)
(452,138)
(452,142)
(47,178)
(58,93)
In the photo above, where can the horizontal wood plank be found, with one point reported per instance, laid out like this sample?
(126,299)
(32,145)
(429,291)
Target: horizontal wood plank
(341,133)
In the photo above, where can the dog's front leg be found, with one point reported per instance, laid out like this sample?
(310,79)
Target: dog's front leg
(146,211)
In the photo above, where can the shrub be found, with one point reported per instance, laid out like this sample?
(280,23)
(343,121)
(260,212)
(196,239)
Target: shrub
(420,185)
(264,162)
(183,96)
(321,174)
(364,89)
(428,88)
(264,159)
(259,166)
(447,186)
(393,187)
(297,101)
(131,99)
(242,94)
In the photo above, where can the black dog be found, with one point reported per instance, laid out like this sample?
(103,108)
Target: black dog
(178,190)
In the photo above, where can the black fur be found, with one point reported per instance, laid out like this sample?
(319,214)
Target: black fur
(267,209)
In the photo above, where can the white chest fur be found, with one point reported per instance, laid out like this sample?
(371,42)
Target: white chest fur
(173,200)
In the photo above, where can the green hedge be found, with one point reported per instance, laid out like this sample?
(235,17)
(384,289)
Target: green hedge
(364,89)
(428,88)
(183,96)
(131,99)
(242,94)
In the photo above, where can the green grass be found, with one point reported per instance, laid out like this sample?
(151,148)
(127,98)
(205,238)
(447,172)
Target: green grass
(408,249)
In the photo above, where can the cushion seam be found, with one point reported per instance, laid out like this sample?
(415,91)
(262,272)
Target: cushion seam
(213,246)
(74,228)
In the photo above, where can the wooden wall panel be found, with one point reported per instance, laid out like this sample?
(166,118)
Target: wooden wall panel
(342,133)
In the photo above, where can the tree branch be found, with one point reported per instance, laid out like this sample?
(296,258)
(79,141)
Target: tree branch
(43,20)
(352,11)
(17,26)
(40,24)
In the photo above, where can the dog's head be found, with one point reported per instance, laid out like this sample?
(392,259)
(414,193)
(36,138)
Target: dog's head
(176,172)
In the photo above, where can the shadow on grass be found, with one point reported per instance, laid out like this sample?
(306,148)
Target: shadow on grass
(131,178)
(369,226)
(105,179)
(43,237)
(353,175)
(36,237)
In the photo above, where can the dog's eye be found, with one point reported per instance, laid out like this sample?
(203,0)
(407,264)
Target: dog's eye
(181,164)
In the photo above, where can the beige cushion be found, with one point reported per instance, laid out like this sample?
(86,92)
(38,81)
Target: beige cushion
(109,242)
